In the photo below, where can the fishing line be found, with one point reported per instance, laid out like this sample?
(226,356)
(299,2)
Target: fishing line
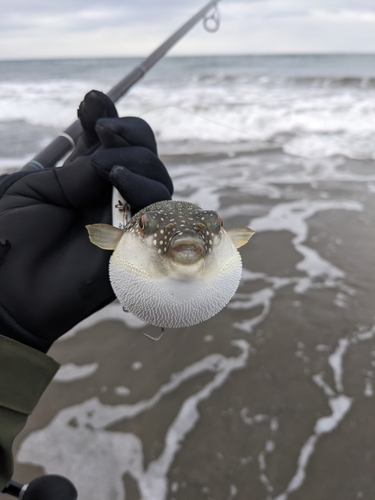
(121,212)
(245,136)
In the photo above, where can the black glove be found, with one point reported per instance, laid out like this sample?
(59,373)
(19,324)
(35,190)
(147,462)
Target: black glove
(51,276)
(51,487)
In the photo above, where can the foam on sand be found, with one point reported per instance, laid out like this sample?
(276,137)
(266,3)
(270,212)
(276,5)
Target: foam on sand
(83,454)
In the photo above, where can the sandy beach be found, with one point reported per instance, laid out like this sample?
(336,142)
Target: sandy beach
(271,399)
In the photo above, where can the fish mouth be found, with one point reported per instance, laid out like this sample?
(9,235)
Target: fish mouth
(187,248)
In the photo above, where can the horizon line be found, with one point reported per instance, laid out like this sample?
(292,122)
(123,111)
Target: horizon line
(255,54)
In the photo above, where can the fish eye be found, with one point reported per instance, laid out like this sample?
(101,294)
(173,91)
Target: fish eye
(147,223)
(215,223)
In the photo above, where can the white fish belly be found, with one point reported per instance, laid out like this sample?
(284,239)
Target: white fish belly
(173,303)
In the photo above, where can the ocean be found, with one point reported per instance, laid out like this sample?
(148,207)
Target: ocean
(308,106)
(273,398)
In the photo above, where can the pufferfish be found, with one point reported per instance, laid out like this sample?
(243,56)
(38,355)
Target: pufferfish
(173,265)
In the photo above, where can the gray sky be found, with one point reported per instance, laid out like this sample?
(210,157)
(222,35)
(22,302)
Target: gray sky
(93,28)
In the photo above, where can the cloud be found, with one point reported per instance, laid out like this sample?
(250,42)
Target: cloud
(84,28)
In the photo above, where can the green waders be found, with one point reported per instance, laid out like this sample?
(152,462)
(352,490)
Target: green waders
(24,375)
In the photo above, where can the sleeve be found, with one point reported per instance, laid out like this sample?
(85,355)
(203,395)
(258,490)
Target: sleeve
(24,375)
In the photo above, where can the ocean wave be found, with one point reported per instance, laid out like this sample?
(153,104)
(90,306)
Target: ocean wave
(222,102)
(331,81)
(338,129)
(358,147)
(325,81)
(219,78)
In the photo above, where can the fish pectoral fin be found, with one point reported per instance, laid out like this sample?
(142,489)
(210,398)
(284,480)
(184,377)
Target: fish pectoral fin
(104,236)
(240,235)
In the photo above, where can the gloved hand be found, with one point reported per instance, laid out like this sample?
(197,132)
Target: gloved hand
(51,276)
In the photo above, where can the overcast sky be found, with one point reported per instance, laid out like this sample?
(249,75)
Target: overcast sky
(95,28)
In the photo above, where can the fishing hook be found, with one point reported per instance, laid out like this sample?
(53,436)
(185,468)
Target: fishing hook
(155,338)
(211,21)
(146,334)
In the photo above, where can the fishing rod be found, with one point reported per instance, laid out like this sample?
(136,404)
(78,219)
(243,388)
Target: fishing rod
(65,141)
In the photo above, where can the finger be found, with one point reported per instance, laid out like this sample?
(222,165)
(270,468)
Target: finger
(138,160)
(137,190)
(95,105)
(128,131)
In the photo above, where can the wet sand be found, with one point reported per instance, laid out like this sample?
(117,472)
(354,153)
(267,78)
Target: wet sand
(271,399)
